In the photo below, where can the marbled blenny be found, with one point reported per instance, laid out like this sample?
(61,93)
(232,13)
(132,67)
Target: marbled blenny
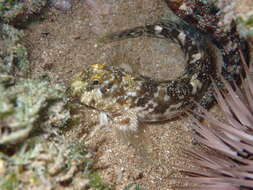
(128,98)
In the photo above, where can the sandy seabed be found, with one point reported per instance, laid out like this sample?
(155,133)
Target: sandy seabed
(65,43)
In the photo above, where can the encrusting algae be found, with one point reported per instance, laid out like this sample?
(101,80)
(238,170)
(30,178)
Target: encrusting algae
(34,114)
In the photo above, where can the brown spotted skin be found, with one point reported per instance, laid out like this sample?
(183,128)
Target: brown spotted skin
(201,14)
(126,97)
(206,17)
(129,99)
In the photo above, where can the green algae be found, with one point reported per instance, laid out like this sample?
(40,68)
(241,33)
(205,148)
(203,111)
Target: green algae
(26,105)
(10,182)
(51,164)
(38,164)
(133,187)
(19,11)
(97,183)
(246,25)
(13,53)
(34,113)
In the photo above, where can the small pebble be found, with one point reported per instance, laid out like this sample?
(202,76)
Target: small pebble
(62,5)
(2,168)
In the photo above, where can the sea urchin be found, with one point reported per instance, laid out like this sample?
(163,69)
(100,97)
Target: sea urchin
(227,163)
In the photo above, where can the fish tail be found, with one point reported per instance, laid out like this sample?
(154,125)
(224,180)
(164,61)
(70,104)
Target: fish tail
(124,34)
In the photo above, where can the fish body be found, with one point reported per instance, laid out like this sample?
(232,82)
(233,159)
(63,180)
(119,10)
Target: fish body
(130,99)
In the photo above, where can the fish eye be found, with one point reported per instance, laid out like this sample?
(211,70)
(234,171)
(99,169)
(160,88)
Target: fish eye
(95,82)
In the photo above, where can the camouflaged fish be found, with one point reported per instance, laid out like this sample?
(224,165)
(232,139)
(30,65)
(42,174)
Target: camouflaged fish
(129,99)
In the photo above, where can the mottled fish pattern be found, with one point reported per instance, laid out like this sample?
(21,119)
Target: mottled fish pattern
(128,99)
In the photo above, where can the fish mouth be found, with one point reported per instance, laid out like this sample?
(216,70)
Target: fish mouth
(96,109)
(92,99)
(92,107)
